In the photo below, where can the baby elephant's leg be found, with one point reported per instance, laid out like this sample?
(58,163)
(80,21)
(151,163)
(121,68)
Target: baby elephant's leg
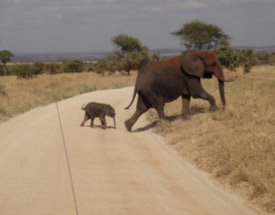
(92,122)
(86,117)
(103,121)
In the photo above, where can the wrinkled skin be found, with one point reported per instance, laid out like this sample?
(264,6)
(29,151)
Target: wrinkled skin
(93,110)
(181,76)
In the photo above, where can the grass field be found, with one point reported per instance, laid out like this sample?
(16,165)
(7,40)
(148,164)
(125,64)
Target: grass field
(20,95)
(236,146)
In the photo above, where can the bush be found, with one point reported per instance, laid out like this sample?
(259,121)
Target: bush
(264,58)
(2,69)
(103,65)
(72,66)
(37,68)
(52,68)
(232,58)
(229,57)
(22,71)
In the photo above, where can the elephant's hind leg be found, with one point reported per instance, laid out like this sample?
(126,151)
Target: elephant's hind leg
(141,108)
(86,117)
(92,122)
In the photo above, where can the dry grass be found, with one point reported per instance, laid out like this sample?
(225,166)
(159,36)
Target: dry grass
(20,95)
(237,145)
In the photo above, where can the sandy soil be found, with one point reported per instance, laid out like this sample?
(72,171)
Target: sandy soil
(114,172)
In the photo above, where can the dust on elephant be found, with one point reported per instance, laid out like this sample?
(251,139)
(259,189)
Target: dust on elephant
(180,76)
(94,109)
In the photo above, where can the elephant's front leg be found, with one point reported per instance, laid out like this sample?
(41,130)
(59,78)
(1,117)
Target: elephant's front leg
(206,96)
(103,121)
(185,106)
(160,110)
(197,91)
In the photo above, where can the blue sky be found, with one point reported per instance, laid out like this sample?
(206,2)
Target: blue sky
(88,25)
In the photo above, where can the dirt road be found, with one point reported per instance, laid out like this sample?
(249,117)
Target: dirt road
(114,172)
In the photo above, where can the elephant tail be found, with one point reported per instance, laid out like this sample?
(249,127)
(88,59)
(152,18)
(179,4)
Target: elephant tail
(83,107)
(134,96)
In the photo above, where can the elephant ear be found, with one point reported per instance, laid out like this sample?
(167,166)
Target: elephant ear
(192,64)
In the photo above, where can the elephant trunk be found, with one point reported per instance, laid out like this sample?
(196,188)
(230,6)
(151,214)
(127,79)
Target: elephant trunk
(114,122)
(230,79)
(221,89)
(221,79)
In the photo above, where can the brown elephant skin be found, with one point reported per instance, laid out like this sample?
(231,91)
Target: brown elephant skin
(165,81)
(94,109)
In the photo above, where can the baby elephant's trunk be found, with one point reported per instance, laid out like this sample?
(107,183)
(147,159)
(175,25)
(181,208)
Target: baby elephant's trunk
(114,122)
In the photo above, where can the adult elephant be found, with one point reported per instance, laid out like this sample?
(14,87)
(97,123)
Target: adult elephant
(181,76)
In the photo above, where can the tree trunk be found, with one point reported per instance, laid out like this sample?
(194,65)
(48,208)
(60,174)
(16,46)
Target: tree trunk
(5,70)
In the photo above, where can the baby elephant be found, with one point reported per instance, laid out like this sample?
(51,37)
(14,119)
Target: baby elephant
(93,110)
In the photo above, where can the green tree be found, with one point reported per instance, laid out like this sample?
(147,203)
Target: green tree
(200,35)
(126,44)
(133,60)
(5,56)
(129,53)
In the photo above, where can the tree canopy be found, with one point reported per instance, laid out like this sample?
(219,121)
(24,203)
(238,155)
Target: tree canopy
(125,43)
(130,53)
(5,56)
(200,35)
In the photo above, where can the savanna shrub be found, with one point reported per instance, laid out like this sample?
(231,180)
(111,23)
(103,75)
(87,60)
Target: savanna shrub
(52,68)
(22,71)
(37,68)
(265,58)
(1,69)
(72,66)
(103,65)
(232,58)
(229,57)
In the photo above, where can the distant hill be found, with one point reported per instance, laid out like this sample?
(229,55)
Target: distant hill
(87,56)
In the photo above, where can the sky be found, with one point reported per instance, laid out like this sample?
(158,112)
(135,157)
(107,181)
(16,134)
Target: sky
(44,26)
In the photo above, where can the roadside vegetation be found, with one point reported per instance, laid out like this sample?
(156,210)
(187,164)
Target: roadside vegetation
(20,95)
(237,146)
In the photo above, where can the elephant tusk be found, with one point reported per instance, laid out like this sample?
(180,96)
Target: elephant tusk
(231,79)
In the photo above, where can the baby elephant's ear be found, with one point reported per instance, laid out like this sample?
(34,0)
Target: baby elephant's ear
(192,64)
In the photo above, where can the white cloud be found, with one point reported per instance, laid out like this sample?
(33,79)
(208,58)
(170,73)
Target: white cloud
(192,4)
(177,5)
